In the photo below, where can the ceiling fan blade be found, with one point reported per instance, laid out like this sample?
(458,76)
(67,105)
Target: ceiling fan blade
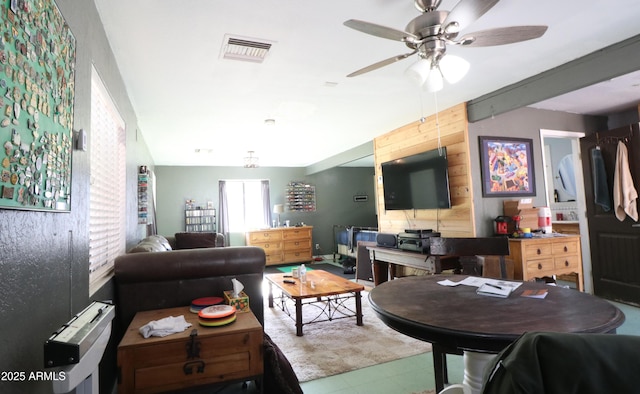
(379,30)
(381,64)
(502,36)
(467,11)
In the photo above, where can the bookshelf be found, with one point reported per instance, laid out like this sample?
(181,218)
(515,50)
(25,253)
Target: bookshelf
(199,219)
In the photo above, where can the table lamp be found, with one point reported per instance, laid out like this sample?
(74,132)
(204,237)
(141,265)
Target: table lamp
(278,208)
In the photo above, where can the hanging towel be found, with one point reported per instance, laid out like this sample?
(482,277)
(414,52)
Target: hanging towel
(624,193)
(599,175)
(567,176)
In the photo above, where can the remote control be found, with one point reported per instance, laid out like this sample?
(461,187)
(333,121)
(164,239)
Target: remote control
(289,281)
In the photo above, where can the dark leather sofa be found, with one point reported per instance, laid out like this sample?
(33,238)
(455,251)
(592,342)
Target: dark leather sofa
(170,278)
(155,280)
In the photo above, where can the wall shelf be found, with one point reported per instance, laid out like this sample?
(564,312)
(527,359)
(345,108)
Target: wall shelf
(143,195)
(301,197)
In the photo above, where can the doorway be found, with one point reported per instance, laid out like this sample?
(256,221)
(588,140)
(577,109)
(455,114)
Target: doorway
(564,188)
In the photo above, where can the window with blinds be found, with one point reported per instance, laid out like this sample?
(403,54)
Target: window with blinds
(107,220)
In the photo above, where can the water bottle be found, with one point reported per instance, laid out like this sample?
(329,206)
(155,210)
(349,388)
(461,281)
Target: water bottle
(303,274)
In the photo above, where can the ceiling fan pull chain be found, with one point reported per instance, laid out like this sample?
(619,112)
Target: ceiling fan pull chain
(422,117)
(435,95)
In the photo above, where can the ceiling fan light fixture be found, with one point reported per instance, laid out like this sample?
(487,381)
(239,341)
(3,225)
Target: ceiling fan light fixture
(419,71)
(434,82)
(251,161)
(453,68)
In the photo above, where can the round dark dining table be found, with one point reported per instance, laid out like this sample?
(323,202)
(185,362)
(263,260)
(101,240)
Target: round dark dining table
(457,318)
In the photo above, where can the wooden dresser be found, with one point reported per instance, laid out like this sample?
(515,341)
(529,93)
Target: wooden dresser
(539,257)
(195,357)
(283,245)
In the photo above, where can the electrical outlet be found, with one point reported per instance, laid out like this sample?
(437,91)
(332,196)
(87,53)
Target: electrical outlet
(317,246)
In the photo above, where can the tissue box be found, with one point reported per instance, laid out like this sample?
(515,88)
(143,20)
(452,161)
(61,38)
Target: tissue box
(241,302)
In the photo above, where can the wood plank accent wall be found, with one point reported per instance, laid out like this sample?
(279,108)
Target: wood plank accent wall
(420,137)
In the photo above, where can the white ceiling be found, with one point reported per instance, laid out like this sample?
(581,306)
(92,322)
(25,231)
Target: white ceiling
(608,97)
(187,97)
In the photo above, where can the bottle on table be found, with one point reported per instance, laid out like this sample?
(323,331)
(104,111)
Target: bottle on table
(303,274)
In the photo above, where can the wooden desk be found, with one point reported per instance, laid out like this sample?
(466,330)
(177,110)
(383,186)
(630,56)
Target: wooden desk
(218,355)
(458,318)
(384,260)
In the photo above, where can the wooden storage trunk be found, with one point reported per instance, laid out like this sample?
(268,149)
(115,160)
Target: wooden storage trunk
(187,359)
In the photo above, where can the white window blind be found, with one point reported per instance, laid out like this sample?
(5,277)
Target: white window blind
(107,220)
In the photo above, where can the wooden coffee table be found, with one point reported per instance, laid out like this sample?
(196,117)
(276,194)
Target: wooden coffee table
(326,291)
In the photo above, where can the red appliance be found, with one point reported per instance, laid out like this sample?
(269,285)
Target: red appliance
(502,227)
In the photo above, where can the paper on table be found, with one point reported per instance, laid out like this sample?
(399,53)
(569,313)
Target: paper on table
(448,282)
(486,286)
(477,281)
(488,289)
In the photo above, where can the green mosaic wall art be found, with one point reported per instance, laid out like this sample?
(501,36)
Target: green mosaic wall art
(37,71)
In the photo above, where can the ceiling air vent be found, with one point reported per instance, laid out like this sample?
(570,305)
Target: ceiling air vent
(246,49)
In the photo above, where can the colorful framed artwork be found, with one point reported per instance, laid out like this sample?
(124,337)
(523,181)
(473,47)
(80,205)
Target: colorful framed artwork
(507,167)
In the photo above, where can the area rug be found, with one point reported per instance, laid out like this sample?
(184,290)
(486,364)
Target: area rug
(333,347)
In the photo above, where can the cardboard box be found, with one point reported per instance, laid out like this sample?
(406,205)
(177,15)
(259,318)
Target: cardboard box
(523,208)
(511,207)
(529,218)
(241,302)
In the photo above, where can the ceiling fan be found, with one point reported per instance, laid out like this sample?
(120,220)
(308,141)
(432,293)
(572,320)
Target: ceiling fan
(429,34)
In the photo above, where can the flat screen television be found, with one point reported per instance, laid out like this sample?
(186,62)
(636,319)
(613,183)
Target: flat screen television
(419,181)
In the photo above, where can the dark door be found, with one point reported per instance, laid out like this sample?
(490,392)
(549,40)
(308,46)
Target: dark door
(615,245)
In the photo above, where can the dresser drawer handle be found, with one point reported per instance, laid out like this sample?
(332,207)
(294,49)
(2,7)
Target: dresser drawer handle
(566,263)
(539,266)
(539,251)
(566,249)
(266,246)
(187,368)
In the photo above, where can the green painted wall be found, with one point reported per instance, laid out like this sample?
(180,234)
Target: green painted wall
(335,189)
